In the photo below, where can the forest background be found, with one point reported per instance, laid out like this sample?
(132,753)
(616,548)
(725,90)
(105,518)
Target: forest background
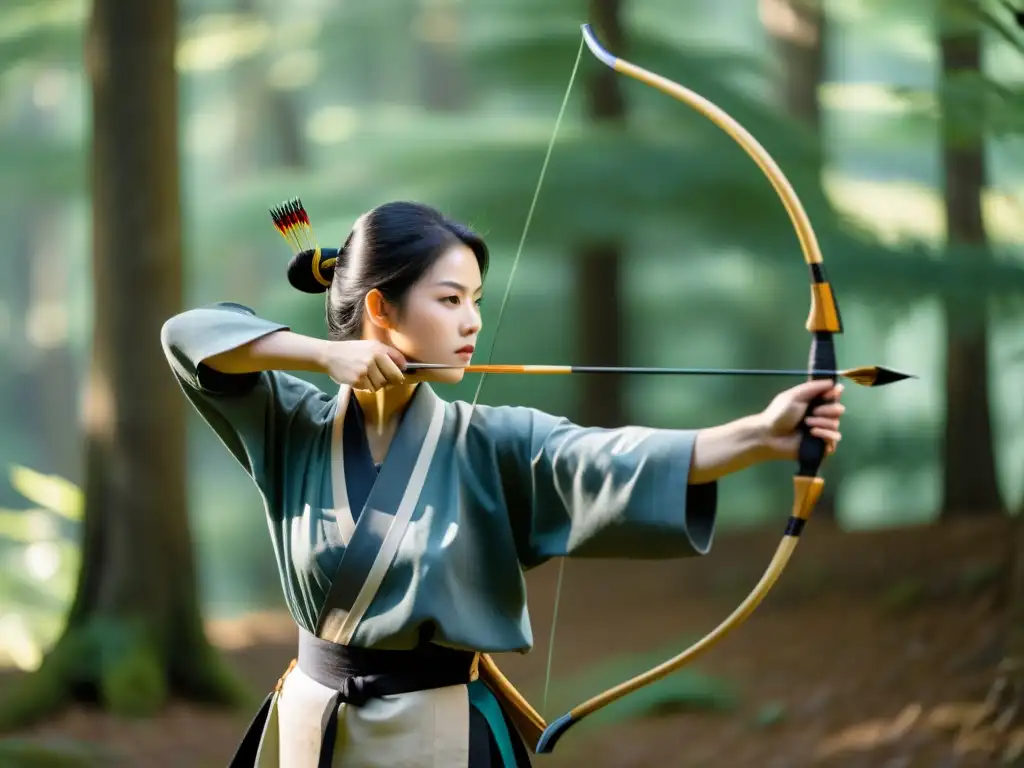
(140,148)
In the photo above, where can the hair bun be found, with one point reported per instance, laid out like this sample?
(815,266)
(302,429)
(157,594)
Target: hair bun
(311,271)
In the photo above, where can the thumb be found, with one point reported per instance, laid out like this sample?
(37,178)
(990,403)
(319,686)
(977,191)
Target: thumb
(397,357)
(812,389)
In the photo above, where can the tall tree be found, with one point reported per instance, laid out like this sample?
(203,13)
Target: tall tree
(435,38)
(598,264)
(797,30)
(134,635)
(970,482)
(997,725)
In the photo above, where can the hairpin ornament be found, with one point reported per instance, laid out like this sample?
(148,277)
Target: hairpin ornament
(292,222)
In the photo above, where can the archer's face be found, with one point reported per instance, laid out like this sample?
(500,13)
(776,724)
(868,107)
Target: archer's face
(440,316)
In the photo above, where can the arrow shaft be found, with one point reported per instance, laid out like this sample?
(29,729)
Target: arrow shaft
(568,369)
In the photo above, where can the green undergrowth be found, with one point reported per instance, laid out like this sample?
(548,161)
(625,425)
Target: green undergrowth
(30,753)
(687,690)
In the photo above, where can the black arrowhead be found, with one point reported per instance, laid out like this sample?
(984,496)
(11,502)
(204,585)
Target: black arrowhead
(889,376)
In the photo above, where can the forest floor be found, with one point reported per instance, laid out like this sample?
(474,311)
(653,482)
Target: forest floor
(866,649)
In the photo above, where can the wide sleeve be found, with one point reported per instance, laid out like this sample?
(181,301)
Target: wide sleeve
(261,417)
(594,492)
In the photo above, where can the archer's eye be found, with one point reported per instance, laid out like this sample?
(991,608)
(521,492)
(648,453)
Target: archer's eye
(451,299)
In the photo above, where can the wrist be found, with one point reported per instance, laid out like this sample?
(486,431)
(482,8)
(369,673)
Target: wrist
(320,354)
(763,444)
(731,447)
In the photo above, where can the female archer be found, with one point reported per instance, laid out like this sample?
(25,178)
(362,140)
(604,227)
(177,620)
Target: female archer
(402,524)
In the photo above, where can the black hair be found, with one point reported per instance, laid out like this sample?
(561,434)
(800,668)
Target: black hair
(389,248)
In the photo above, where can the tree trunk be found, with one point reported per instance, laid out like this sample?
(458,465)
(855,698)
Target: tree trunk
(598,292)
(970,485)
(268,117)
(797,30)
(439,73)
(599,265)
(134,634)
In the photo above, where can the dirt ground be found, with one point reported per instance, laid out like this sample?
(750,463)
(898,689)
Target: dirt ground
(865,651)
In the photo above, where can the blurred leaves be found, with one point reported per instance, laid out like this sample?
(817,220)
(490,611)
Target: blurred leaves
(40,547)
(40,31)
(51,493)
(54,753)
(976,106)
(714,273)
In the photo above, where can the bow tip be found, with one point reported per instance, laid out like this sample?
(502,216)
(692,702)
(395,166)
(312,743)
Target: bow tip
(555,731)
(596,48)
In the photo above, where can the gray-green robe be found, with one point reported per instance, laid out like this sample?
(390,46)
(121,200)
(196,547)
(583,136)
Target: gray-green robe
(466,499)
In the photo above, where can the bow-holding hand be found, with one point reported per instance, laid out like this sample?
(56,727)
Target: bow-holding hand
(784,416)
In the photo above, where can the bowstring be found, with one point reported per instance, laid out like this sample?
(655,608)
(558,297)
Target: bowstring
(497,326)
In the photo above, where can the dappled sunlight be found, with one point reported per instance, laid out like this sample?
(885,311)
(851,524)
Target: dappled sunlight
(20,647)
(893,210)
(872,734)
(218,41)
(211,131)
(295,69)
(874,645)
(332,124)
(904,26)
(960,720)
(896,210)
(863,99)
(252,629)
(52,85)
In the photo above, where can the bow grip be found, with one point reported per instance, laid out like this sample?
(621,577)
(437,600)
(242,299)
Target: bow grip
(822,358)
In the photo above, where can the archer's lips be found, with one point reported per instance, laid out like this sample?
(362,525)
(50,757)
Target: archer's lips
(466,350)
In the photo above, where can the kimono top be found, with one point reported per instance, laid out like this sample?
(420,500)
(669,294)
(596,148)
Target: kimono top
(483,494)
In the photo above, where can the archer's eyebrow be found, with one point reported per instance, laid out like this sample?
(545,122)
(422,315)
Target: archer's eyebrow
(457,286)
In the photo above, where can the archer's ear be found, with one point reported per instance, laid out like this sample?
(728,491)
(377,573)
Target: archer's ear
(379,311)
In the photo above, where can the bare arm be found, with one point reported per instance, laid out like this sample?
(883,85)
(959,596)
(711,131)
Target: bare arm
(363,364)
(728,448)
(277,351)
(770,435)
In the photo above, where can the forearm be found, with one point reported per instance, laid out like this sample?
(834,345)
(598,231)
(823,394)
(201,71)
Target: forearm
(728,448)
(278,351)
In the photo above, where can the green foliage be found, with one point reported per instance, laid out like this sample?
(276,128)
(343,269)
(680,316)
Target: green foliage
(43,692)
(36,32)
(713,271)
(44,538)
(995,16)
(975,578)
(975,107)
(904,595)
(127,667)
(771,714)
(54,494)
(30,753)
(134,682)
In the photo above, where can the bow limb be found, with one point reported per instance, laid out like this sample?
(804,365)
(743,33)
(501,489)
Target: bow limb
(823,322)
